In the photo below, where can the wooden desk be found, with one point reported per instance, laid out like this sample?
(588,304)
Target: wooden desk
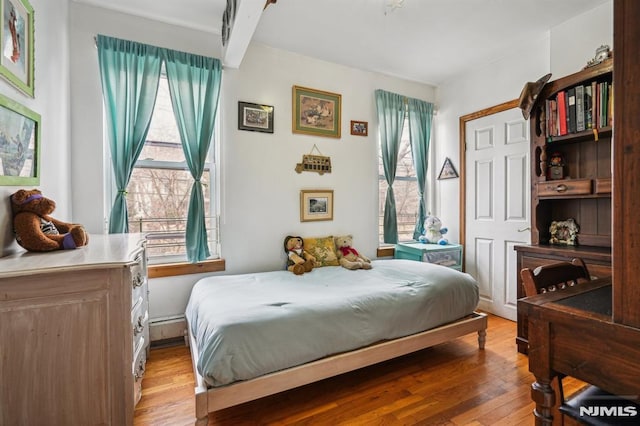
(572,332)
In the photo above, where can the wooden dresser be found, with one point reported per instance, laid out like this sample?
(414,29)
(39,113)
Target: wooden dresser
(74,333)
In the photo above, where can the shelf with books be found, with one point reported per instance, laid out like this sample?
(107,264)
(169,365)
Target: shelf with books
(571,169)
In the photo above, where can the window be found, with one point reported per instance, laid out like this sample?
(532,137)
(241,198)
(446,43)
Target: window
(160,188)
(405,188)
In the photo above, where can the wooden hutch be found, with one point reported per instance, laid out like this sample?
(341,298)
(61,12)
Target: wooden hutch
(576,187)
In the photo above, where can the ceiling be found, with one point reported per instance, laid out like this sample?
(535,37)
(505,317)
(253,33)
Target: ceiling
(422,40)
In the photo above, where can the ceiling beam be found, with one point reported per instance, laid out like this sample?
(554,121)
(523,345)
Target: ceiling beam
(246,20)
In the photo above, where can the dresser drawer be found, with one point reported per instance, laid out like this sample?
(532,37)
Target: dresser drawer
(564,187)
(138,279)
(139,323)
(137,370)
(448,255)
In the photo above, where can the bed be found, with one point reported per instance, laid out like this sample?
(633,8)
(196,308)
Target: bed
(254,335)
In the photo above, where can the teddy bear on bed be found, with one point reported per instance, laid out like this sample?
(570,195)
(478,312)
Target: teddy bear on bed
(433,232)
(348,256)
(299,260)
(35,230)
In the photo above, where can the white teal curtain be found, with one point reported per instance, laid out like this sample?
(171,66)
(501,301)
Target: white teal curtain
(420,120)
(194,85)
(391,114)
(130,73)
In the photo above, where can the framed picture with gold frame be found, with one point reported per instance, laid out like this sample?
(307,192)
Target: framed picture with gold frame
(316,205)
(16,40)
(20,144)
(316,112)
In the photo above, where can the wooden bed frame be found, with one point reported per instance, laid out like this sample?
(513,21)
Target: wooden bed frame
(210,399)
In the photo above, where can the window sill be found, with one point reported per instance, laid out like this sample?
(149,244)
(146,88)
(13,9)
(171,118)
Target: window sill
(184,268)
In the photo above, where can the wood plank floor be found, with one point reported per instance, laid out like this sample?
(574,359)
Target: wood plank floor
(450,384)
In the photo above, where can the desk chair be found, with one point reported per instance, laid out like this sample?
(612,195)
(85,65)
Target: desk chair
(557,277)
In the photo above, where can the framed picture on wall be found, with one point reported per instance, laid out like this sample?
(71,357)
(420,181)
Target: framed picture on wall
(16,41)
(255,117)
(316,204)
(19,144)
(447,171)
(359,128)
(316,112)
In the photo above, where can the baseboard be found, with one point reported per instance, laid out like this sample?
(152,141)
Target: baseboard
(162,330)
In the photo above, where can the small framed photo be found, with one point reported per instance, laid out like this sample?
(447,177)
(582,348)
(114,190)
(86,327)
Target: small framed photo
(563,232)
(255,117)
(316,204)
(16,39)
(19,144)
(447,171)
(316,112)
(359,128)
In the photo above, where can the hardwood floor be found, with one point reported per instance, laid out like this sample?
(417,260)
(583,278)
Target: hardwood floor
(454,383)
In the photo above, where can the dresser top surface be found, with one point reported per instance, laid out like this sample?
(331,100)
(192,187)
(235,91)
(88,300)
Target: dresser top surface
(113,250)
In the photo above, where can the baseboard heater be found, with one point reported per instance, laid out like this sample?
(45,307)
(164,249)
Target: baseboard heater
(167,330)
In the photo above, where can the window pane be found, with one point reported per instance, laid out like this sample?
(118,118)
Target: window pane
(405,189)
(158,202)
(163,139)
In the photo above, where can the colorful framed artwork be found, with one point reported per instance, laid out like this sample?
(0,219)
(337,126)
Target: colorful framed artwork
(447,171)
(16,41)
(255,117)
(359,128)
(19,144)
(316,112)
(316,205)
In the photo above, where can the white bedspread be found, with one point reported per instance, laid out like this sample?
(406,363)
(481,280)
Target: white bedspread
(253,324)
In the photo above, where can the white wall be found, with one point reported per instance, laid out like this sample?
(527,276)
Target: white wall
(260,188)
(51,101)
(563,50)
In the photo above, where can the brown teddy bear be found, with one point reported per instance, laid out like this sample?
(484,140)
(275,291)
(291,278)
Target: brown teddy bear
(348,256)
(35,230)
(299,260)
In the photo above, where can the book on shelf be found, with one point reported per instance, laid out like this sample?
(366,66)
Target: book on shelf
(571,110)
(580,127)
(562,113)
(588,108)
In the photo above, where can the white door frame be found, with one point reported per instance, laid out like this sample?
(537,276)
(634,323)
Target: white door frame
(463,159)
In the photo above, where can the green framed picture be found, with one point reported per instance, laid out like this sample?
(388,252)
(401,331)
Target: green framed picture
(316,112)
(19,144)
(16,41)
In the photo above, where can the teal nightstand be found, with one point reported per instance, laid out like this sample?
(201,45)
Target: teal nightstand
(449,255)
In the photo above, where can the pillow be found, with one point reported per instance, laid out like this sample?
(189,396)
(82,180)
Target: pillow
(323,249)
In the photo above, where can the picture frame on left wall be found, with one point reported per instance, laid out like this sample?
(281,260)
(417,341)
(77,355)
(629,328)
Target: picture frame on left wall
(316,205)
(16,42)
(19,144)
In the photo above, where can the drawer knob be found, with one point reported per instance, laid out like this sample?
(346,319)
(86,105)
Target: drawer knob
(561,188)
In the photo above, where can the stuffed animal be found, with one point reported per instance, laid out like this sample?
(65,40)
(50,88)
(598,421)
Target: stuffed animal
(433,232)
(35,230)
(299,260)
(348,256)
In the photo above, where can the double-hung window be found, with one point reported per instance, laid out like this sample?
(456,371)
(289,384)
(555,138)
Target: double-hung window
(405,188)
(160,187)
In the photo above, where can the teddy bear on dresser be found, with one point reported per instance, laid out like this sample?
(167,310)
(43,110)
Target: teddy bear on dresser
(35,230)
(299,260)
(348,256)
(433,232)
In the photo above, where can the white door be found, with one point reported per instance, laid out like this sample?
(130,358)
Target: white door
(497,206)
